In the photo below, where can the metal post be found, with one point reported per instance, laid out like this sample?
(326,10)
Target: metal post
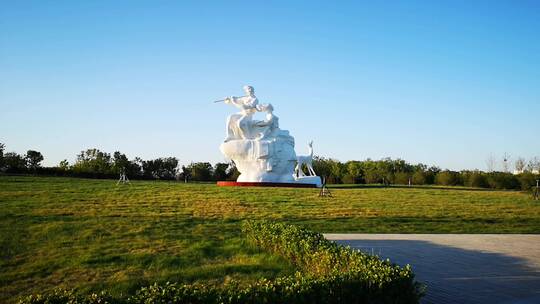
(536,191)
(324,192)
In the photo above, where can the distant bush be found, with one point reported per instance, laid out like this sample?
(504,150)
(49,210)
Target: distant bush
(475,179)
(14,163)
(419,178)
(402,178)
(201,171)
(527,180)
(501,180)
(349,179)
(448,178)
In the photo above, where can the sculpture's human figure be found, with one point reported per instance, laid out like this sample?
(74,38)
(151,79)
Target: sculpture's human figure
(240,125)
(268,126)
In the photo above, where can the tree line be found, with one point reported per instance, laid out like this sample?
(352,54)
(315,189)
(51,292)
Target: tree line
(399,172)
(94,163)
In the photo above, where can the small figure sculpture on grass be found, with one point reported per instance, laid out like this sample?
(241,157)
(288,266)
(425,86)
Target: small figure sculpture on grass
(123,178)
(305,160)
(324,190)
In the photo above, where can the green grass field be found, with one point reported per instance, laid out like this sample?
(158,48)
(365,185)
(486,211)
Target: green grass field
(92,234)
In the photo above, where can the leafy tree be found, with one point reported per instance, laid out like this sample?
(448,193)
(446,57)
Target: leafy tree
(372,172)
(33,159)
(170,165)
(220,171)
(232,172)
(321,166)
(402,178)
(185,174)
(14,163)
(337,171)
(93,161)
(527,180)
(151,168)
(160,168)
(354,173)
(448,178)
(330,169)
(430,174)
(201,171)
(2,147)
(419,177)
(64,165)
(475,179)
(388,168)
(122,163)
(137,164)
(503,180)
(399,165)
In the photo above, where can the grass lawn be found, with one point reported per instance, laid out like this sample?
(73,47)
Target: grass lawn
(92,234)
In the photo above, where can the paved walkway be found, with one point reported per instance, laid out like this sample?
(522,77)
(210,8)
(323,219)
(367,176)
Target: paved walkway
(462,268)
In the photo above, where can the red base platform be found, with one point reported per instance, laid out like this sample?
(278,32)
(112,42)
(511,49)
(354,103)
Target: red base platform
(264,184)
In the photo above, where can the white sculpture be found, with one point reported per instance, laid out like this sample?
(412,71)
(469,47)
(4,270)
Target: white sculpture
(305,160)
(239,125)
(262,151)
(270,125)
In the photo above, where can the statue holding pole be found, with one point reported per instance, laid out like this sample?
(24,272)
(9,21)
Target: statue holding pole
(262,152)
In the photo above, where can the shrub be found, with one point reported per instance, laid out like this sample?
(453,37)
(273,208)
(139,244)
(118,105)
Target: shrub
(349,179)
(402,178)
(448,178)
(502,180)
(201,171)
(341,273)
(62,296)
(475,179)
(419,178)
(527,180)
(13,163)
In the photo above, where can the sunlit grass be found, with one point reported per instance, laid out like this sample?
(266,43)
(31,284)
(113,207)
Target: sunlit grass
(92,234)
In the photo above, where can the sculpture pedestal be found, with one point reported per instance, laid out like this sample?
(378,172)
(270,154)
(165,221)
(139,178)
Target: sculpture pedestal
(266,162)
(309,180)
(264,184)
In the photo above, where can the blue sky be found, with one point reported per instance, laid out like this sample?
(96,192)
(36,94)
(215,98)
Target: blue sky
(445,83)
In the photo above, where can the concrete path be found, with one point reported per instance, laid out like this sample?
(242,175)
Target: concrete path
(462,268)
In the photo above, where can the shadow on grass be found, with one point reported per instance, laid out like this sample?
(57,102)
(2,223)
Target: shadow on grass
(417,224)
(456,275)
